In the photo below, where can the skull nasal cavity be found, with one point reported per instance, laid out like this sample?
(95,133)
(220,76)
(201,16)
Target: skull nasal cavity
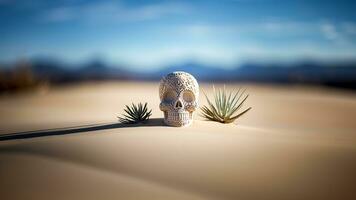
(178,104)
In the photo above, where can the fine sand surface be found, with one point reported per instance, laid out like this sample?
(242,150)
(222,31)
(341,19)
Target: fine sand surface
(295,143)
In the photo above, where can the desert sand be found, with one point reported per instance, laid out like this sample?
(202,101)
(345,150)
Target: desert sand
(295,143)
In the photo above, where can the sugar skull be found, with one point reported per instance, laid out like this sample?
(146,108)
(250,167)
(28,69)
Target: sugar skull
(179,93)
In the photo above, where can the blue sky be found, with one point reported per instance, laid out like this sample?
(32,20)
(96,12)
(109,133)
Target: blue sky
(157,33)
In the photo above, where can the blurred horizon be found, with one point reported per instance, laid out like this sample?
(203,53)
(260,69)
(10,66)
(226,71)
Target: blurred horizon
(152,35)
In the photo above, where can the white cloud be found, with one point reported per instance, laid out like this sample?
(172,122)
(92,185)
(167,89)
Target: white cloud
(329,31)
(339,34)
(110,11)
(268,28)
(342,33)
(231,44)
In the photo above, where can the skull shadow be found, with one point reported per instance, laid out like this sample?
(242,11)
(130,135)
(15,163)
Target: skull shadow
(78,129)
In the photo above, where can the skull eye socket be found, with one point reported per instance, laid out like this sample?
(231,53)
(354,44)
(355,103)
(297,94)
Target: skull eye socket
(169,96)
(188,96)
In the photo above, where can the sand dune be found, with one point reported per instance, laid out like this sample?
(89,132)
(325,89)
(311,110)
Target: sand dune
(295,143)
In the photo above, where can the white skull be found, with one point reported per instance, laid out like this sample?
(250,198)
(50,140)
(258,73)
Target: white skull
(179,93)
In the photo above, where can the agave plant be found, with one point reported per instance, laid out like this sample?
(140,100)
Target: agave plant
(135,114)
(226,105)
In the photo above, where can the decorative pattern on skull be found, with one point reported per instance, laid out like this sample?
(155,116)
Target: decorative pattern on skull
(179,93)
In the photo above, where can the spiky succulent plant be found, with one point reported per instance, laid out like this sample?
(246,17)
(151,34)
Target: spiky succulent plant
(226,105)
(135,114)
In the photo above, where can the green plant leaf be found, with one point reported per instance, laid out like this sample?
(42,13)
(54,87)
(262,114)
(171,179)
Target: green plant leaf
(135,113)
(226,105)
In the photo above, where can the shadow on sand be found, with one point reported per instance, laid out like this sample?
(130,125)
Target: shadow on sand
(77,129)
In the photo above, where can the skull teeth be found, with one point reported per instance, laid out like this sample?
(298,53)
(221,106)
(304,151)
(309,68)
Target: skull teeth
(175,116)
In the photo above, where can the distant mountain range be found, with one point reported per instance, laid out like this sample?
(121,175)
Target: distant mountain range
(306,72)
